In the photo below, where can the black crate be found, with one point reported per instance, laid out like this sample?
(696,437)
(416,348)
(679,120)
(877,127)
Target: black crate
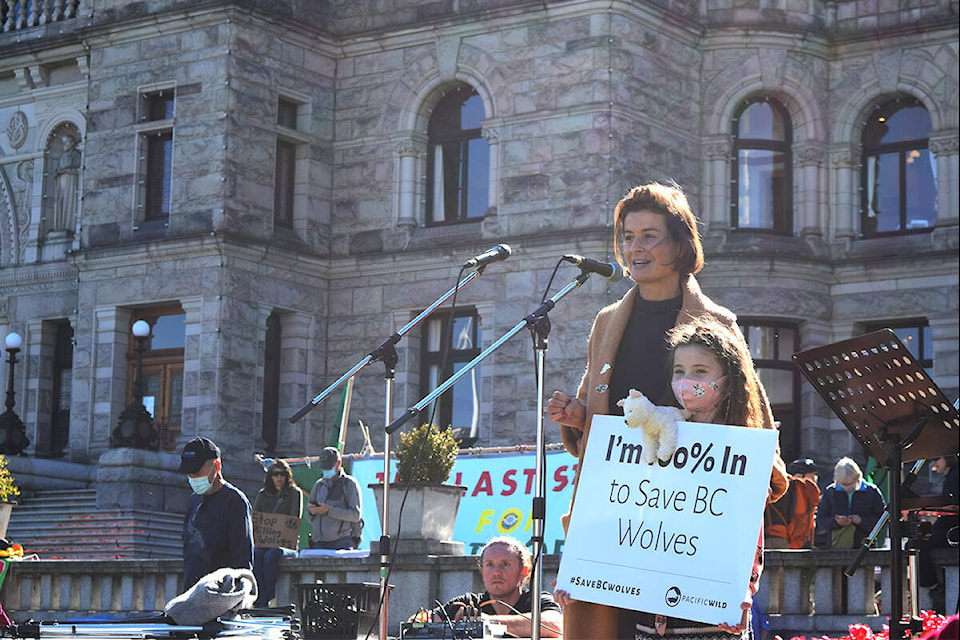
(337,611)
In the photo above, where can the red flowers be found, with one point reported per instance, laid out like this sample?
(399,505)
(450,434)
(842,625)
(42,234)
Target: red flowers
(932,622)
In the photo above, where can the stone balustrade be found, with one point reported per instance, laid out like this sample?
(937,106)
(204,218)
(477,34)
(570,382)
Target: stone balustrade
(16,14)
(806,592)
(797,605)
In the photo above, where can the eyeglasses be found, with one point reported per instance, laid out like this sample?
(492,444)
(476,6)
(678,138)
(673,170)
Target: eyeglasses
(278,473)
(645,242)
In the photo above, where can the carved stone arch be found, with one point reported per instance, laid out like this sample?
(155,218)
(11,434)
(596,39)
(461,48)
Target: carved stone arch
(422,83)
(919,76)
(806,115)
(428,91)
(65,118)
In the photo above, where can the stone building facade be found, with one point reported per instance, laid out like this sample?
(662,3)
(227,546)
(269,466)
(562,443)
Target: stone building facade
(262,179)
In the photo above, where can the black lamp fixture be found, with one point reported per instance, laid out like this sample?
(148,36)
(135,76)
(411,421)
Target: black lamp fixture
(135,427)
(13,433)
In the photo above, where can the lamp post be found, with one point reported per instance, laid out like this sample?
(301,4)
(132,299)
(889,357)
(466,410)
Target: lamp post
(135,427)
(13,433)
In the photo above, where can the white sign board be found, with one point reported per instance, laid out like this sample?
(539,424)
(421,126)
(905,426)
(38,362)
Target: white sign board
(675,538)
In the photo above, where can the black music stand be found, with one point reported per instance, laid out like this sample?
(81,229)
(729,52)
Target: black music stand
(893,408)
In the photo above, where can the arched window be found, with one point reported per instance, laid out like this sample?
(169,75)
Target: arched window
(458,159)
(898,177)
(761,197)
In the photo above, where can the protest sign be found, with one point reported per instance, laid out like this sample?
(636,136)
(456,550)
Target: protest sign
(676,538)
(499,496)
(275,530)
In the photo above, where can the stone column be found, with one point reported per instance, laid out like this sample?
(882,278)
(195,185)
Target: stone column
(407,193)
(37,376)
(492,136)
(845,207)
(716,202)
(810,203)
(944,148)
(194,342)
(297,345)
(111,338)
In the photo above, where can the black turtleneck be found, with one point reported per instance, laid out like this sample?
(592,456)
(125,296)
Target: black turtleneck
(641,362)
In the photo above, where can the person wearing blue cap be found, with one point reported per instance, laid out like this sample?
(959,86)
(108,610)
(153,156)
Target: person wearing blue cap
(218,527)
(334,507)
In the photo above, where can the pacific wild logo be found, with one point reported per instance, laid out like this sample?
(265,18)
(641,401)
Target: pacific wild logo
(672,597)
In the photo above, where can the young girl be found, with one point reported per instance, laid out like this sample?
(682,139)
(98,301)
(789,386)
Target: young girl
(713,380)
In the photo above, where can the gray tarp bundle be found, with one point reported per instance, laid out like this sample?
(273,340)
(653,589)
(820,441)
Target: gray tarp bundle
(220,594)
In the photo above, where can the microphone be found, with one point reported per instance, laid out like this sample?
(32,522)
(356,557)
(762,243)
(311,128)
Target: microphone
(495,254)
(612,271)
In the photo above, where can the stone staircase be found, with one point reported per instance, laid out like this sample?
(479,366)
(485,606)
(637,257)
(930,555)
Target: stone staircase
(67,525)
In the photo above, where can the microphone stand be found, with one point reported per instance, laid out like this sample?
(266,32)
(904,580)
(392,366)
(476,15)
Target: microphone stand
(539,331)
(539,325)
(387,353)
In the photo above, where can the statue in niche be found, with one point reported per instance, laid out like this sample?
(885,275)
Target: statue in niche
(66,182)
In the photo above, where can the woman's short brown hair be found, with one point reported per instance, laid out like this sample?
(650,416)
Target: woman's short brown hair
(669,201)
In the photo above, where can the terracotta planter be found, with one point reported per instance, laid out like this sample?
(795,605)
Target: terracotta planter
(428,518)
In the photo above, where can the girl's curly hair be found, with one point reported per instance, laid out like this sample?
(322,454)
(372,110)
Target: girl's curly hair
(742,406)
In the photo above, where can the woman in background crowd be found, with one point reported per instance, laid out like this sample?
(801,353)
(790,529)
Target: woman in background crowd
(281,495)
(850,507)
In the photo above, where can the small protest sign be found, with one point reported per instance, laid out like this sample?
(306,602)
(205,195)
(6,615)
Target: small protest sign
(275,530)
(676,538)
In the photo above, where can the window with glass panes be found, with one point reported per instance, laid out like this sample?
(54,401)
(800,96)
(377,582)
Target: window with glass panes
(458,158)
(285,179)
(772,345)
(898,181)
(156,143)
(762,167)
(445,348)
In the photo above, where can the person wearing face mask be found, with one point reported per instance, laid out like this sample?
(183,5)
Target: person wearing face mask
(657,241)
(334,506)
(218,528)
(850,507)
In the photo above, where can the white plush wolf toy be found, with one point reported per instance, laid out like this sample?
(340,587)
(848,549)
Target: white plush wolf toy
(659,425)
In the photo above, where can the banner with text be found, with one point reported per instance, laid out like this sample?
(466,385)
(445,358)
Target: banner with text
(675,538)
(498,499)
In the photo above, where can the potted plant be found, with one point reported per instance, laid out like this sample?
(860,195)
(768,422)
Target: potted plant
(426,454)
(8,491)
(423,507)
